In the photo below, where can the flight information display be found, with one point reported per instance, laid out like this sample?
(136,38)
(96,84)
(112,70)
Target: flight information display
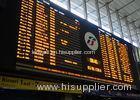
(53,41)
(46,35)
(115,58)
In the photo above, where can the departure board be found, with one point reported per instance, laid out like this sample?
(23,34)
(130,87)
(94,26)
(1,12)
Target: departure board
(64,37)
(47,34)
(115,58)
(53,40)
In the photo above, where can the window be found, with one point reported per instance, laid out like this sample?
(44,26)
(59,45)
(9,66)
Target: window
(126,39)
(77,7)
(135,44)
(115,24)
(61,3)
(117,34)
(133,35)
(104,18)
(91,12)
(125,31)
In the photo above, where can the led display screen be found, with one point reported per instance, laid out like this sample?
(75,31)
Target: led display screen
(53,40)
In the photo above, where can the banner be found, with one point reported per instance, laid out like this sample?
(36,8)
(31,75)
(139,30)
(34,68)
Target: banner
(29,84)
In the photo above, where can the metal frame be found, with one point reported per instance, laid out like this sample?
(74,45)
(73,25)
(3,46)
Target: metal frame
(128,30)
(109,17)
(69,5)
(119,22)
(136,33)
(119,17)
(98,13)
(85,9)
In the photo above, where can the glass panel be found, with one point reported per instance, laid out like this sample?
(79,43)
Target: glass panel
(104,18)
(126,39)
(115,25)
(91,12)
(139,53)
(117,34)
(134,38)
(77,7)
(61,3)
(125,33)
(135,44)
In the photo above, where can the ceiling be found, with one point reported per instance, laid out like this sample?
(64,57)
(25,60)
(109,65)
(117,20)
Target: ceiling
(129,9)
(126,8)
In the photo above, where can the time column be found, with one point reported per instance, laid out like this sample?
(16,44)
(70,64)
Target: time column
(125,63)
(25,29)
(52,37)
(41,34)
(111,57)
(105,56)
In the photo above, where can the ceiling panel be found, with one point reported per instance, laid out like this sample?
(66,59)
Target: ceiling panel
(130,8)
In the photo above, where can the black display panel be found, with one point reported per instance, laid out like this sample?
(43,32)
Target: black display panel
(115,57)
(51,39)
